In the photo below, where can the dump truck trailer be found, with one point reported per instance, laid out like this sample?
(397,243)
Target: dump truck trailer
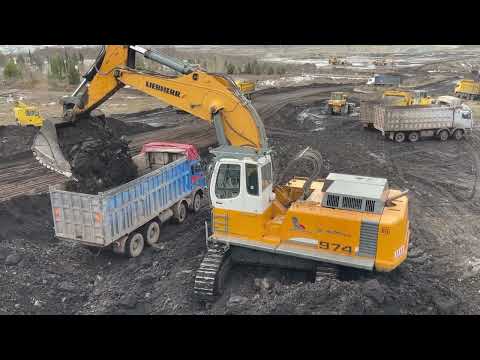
(384,80)
(128,217)
(468,89)
(367,109)
(414,122)
(246,87)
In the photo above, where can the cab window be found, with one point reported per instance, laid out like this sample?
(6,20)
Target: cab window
(466,115)
(252,179)
(266,172)
(227,185)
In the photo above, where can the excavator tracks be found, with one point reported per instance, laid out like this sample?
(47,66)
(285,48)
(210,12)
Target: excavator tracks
(212,272)
(326,271)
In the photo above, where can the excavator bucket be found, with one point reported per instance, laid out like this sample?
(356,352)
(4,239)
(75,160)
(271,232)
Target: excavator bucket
(47,151)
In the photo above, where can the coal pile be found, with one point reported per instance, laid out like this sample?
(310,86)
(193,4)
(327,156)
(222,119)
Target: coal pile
(97,150)
(15,140)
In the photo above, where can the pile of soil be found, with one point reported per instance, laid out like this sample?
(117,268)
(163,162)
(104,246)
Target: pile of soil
(26,215)
(15,140)
(98,152)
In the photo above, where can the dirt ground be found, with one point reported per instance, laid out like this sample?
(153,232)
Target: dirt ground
(42,275)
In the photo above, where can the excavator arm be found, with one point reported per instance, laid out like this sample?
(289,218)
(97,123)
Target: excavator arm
(211,97)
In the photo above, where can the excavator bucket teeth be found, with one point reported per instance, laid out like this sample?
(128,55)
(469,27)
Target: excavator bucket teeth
(47,151)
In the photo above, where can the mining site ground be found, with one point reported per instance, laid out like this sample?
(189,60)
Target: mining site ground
(42,275)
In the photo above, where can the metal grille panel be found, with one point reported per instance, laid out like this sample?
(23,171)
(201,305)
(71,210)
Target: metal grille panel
(368,238)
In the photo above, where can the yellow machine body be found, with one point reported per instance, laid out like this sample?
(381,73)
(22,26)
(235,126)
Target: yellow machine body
(468,89)
(27,115)
(406,98)
(309,230)
(245,86)
(337,102)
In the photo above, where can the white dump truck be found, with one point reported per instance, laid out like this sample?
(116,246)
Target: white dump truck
(399,123)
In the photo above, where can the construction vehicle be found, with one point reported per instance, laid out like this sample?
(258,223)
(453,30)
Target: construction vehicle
(467,89)
(338,104)
(406,98)
(384,80)
(415,122)
(26,115)
(246,87)
(380,62)
(333,60)
(128,217)
(306,223)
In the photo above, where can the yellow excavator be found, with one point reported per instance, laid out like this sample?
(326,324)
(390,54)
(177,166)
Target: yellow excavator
(305,223)
(406,98)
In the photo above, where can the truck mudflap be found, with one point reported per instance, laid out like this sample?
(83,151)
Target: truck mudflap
(288,248)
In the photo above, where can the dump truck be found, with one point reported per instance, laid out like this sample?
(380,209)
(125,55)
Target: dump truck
(393,98)
(128,217)
(246,87)
(26,115)
(414,122)
(384,80)
(467,89)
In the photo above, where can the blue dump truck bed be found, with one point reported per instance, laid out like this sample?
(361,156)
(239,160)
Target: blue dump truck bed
(169,179)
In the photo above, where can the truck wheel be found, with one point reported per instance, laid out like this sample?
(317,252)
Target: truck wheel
(443,135)
(151,232)
(134,245)
(399,137)
(197,202)
(181,212)
(413,137)
(458,134)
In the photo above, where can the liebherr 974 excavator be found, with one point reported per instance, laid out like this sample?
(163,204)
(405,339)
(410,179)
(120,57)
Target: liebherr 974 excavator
(308,224)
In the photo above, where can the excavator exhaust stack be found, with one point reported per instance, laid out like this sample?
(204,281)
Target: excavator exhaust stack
(47,151)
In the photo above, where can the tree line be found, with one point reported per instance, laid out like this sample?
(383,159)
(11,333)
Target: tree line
(60,66)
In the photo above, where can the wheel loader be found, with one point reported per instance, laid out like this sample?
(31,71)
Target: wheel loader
(26,115)
(338,104)
(306,223)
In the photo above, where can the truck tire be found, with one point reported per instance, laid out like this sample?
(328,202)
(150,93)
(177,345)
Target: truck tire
(399,137)
(151,232)
(197,202)
(180,212)
(443,135)
(413,136)
(458,134)
(134,245)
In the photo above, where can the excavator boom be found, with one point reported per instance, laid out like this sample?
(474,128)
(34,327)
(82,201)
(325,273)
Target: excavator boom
(212,97)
